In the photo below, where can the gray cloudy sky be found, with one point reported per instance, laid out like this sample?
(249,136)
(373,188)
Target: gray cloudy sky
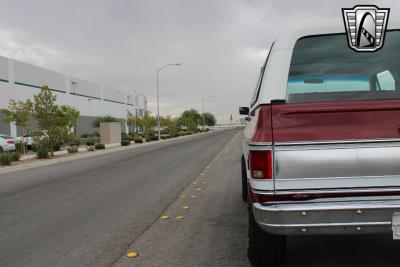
(221,43)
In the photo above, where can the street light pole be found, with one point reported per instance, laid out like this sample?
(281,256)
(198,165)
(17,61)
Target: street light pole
(74,84)
(135,108)
(158,98)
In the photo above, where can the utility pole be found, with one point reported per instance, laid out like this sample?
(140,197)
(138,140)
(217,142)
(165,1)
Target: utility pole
(158,98)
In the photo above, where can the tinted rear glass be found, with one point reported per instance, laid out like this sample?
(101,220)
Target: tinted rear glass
(323,68)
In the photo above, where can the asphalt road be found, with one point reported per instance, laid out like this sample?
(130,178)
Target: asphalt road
(93,211)
(86,212)
(214,230)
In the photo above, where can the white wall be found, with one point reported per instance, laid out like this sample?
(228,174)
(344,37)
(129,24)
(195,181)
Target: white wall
(113,95)
(89,98)
(34,76)
(83,88)
(3,68)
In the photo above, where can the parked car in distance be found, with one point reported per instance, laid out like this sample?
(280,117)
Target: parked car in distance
(321,150)
(29,138)
(6,143)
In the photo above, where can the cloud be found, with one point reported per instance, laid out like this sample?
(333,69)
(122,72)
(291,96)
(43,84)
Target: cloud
(221,44)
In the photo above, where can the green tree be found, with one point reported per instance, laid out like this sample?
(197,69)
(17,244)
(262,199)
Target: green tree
(50,119)
(190,119)
(70,115)
(209,119)
(131,120)
(170,123)
(139,123)
(18,112)
(149,122)
(105,118)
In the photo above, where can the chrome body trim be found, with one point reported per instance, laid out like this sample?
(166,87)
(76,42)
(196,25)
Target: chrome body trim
(250,143)
(333,166)
(335,183)
(329,216)
(263,147)
(324,142)
(336,191)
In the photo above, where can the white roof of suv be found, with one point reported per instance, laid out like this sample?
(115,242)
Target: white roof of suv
(275,78)
(288,37)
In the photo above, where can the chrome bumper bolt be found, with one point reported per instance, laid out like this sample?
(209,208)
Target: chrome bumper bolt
(304,230)
(358,228)
(359,211)
(303,213)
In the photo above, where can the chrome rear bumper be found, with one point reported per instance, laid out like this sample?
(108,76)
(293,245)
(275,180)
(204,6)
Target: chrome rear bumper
(359,215)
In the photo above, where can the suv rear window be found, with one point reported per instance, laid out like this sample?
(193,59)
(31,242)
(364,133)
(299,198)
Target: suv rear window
(323,68)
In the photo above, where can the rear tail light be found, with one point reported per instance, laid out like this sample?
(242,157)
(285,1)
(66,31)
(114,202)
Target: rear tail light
(10,142)
(261,164)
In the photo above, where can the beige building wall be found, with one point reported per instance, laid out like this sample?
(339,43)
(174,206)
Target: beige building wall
(110,132)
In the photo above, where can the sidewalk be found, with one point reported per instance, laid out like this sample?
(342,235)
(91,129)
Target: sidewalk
(65,152)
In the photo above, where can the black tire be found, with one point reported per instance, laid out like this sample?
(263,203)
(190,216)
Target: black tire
(244,180)
(264,249)
(1,150)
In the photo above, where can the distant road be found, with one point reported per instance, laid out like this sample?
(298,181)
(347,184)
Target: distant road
(86,212)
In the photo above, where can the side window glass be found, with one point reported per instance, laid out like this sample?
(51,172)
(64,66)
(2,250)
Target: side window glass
(385,81)
(260,78)
(255,94)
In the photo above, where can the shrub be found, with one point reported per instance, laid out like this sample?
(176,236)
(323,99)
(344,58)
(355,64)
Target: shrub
(151,138)
(75,142)
(15,156)
(5,159)
(138,140)
(125,143)
(73,149)
(99,146)
(90,143)
(90,148)
(42,153)
(128,137)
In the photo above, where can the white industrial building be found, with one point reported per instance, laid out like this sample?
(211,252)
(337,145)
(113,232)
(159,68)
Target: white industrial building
(21,81)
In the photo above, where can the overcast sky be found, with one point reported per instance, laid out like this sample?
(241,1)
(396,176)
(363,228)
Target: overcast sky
(220,43)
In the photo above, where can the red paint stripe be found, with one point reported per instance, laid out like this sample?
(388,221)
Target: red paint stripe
(350,120)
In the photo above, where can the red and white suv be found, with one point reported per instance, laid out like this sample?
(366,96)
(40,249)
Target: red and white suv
(321,153)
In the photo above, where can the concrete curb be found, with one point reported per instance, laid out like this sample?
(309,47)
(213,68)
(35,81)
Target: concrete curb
(111,149)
